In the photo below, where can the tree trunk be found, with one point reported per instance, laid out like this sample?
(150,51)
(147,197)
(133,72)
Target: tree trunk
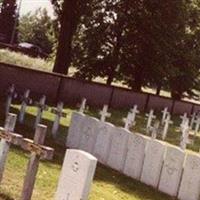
(110,79)
(68,25)
(158,90)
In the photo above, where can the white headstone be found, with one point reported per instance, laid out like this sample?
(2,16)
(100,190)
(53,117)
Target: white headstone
(75,130)
(103,141)
(135,155)
(88,134)
(76,176)
(119,148)
(190,184)
(172,171)
(153,162)
(104,113)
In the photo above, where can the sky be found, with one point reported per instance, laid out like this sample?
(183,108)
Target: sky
(32,5)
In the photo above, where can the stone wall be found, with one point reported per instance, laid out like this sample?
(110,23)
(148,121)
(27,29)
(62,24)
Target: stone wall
(58,87)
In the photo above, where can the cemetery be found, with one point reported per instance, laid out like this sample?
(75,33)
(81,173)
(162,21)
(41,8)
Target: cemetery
(156,153)
(99,100)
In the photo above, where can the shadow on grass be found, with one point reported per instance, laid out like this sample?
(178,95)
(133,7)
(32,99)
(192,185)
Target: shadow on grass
(128,185)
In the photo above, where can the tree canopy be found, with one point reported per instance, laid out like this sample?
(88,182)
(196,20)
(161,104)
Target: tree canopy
(8,17)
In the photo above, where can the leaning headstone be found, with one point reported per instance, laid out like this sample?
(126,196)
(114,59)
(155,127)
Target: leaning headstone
(25,101)
(11,94)
(164,115)
(58,114)
(103,141)
(75,130)
(154,157)
(37,151)
(166,123)
(119,148)
(76,176)
(172,171)
(104,113)
(135,156)
(8,137)
(150,118)
(88,134)
(41,106)
(190,184)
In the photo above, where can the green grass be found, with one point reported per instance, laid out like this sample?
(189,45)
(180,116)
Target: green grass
(107,185)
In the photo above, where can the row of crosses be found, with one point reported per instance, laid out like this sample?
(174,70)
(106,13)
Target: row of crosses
(35,147)
(41,107)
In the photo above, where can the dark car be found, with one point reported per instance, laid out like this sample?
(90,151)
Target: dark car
(31,50)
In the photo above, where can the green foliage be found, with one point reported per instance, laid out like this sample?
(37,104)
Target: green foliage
(142,43)
(38,29)
(7,19)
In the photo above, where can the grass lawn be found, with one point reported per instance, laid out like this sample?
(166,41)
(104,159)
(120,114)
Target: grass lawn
(108,184)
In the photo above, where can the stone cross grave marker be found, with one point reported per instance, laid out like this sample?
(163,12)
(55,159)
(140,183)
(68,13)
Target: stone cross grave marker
(150,116)
(185,135)
(190,184)
(193,117)
(11,94)
(164,115)
(104,113)
(137,144)
(154,129)
(197,125)
(76,176)
(58,114)
(172,171)
(75,130)
(118,149)
(83,105)
(37,151)
(166,123)
(153,161)
(8,137)
(134,111)
(184,119)
(41,106)
(25,101)
(128,121)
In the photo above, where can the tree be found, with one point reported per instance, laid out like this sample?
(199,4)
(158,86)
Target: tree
(8,19)
(39,29)
(142,43)
(72,10)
